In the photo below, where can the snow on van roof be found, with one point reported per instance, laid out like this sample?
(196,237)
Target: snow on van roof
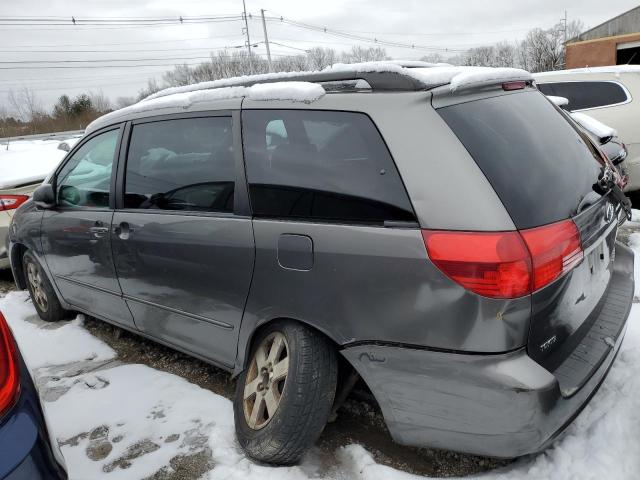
(267,87)
(295,91)
(616,69)
(429,76)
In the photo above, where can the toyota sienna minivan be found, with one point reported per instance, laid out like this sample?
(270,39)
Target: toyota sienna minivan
(444,233)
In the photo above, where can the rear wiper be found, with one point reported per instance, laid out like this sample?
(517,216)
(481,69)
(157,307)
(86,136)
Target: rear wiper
(607,182)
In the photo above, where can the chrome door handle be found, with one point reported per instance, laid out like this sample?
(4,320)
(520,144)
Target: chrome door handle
(98,232)
(123,231)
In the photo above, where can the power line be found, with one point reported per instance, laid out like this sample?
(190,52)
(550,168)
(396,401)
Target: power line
(125,51)
(20,67)
(357,37)
(128,43)
(95,60)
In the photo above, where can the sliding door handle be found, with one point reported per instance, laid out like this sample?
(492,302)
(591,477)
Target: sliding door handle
(123,230)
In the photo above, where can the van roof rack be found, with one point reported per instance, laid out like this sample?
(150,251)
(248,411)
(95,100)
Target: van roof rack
(380,76)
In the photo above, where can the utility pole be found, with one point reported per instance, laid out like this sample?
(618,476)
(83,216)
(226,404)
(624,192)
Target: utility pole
(565,27)
(246,29)
(266,40)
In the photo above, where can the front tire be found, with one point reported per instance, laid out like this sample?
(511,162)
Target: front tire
(43,296)
(284,397)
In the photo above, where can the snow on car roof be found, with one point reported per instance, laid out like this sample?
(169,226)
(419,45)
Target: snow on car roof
(281,86)
(594,126)
(616,69)
(429,76)
(28,161)
(559,101)
(294,91)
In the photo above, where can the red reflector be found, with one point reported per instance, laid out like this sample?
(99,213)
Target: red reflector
(9,380)
(11,202)
(555,249)
(493,264)
(513,86)
(505,264)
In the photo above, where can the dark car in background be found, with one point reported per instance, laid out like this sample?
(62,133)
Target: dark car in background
(27,451)
(442,231)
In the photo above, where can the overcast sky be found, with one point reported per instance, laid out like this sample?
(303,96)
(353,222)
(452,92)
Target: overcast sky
(454,25)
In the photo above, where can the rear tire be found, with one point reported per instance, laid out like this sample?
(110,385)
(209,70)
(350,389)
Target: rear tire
(281,412)
(43,296)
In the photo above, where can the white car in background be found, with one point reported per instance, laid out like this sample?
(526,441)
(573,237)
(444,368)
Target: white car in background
(24,164)
(608,94)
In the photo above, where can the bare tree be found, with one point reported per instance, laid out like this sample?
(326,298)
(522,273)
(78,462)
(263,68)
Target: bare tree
(364,54)
(100,102)
(432,58)
(25,104)
(504,55)
(151,88)
(122,102)
(180,75)
(319,58)
(574,28)
(481,56)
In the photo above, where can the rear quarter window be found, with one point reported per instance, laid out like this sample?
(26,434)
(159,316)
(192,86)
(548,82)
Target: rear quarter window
(583,95)
(541,167)
(322,166)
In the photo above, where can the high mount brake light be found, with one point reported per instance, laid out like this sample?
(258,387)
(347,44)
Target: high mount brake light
(505,264)
(9,378)
(508,86)
(11,202)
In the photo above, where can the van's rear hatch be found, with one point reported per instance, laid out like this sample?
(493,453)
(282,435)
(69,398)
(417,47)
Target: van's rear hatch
(544,170)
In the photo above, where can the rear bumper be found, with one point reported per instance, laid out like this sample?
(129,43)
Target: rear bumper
(503,405)
(27,450)
(499,405)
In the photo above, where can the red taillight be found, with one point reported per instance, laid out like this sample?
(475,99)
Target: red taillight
(495,264)
(555,249)
(10,202)
(505,264)
(9,378)
(513,86)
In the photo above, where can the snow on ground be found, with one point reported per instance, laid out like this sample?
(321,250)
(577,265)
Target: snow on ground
(127,421)
(28,161)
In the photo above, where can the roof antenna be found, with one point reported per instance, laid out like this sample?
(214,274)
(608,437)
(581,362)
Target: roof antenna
(632,57)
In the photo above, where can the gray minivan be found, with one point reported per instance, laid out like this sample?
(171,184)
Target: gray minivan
(443,233)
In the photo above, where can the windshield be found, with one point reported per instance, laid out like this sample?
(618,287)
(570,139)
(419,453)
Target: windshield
(542,168)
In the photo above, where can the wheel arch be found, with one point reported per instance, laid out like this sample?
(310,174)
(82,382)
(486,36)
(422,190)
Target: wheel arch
(245,341)
(17,253)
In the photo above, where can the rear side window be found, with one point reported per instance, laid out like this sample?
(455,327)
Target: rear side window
(583,95)
(540,166)
(321,166)
(184,164)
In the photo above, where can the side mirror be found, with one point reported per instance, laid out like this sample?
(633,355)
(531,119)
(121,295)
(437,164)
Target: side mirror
(44,197)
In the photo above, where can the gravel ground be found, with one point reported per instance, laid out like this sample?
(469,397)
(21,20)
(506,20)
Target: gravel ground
(359,420)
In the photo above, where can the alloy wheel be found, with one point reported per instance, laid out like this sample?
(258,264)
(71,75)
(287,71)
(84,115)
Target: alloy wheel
(37,289)
(266,380)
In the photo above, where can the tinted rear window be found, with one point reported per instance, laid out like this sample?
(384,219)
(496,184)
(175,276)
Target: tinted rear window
(586,94)
(542,169)
(321,166)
